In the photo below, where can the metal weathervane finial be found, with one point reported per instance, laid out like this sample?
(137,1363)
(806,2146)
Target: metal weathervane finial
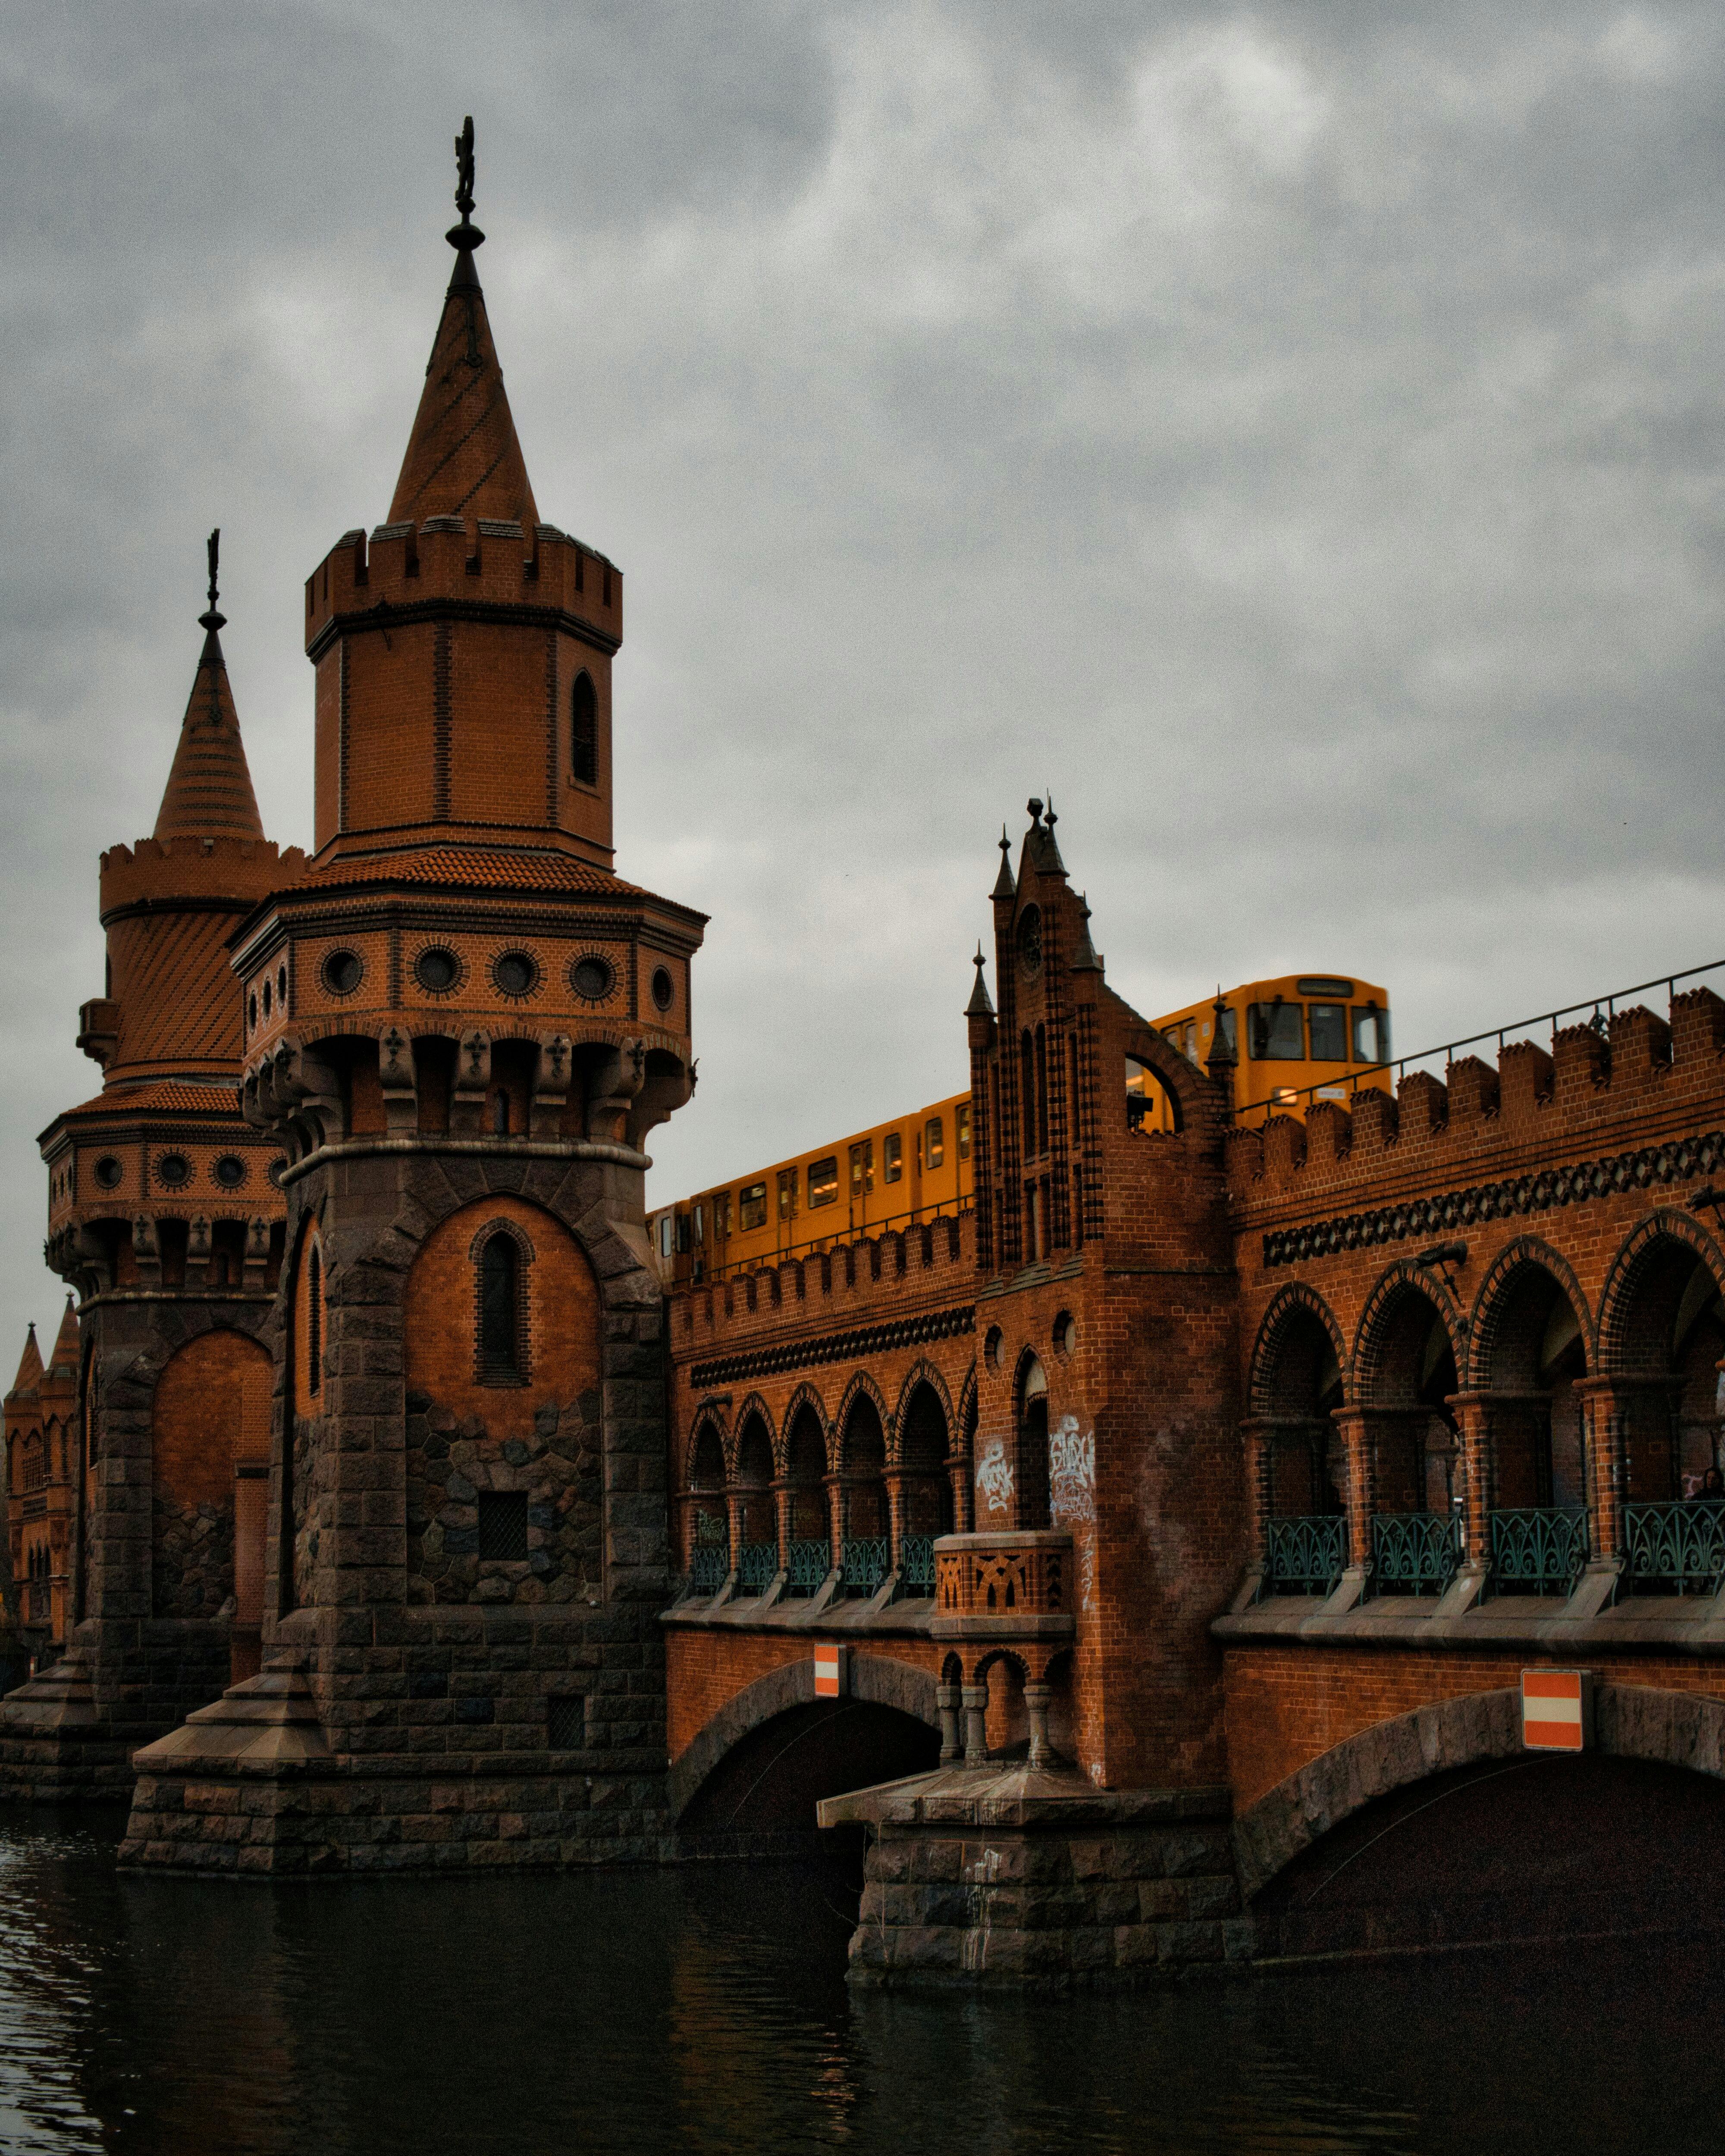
(215,619)
(467,233)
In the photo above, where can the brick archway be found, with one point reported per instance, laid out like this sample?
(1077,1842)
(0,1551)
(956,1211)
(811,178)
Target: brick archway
(880,1679)
(1290,1303)
(1630,1722)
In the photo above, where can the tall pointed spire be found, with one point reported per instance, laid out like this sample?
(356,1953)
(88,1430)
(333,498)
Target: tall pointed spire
(462,458)
(65,1345)
(30,1368)
(209,789)
(1004,887)
(979,1005)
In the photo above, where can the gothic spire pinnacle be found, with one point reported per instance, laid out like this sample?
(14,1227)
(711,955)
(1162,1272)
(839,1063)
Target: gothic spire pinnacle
(979,1005)
(1086,960)
(213,619)
(30,1368)
(1004,887)
(465,236)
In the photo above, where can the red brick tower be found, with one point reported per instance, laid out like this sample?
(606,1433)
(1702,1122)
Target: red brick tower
(461,1026)
(164,1217)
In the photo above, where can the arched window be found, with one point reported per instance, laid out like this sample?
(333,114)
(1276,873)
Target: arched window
(500,1355)
(500,1113)
(314,1323)
(584,730)
(1033,1446)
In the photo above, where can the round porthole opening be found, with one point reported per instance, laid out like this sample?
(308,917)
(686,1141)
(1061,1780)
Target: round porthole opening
(342,973)
(663,990)
(108,1172)
(991,1348)
(173,1170)
(1065,1334)
(592,977)
(516,974)
(437,970)
(251,1012)
(230,1171)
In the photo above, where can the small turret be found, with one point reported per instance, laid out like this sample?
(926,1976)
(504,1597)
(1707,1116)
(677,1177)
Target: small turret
(1004,887)
(979,1005)
(30,1368)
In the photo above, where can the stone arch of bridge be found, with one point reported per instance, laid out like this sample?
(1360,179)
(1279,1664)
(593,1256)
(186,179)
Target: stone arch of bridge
(1630,1722)
(874,1681)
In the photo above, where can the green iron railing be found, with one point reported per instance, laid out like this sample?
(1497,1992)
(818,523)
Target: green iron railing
(1414,1552)
(810,1561)
(1306,1556)
(758,1567)
(1538,1548)
(916,1564)
(708,1568)
(865,1565)
(1680,1547)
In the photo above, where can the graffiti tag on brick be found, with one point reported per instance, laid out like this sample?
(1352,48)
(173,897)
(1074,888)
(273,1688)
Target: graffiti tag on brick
(993,1476)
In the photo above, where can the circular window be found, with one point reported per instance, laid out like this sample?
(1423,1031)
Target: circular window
(514,974)
(991,1348)
(662,988)
(173,1169)
(342,973)
(592,979)
(230,1171)
(251,1012)
(108,1172)
(1030,939)
(281,988)
(266,999)
(278,1168)
(437,970)
(1065,1333)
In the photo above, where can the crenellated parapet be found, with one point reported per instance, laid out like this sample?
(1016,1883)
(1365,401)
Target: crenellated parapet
(1637,1077)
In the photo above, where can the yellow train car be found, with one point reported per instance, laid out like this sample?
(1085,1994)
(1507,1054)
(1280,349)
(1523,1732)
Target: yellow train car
(896,1174)
(1299,1038)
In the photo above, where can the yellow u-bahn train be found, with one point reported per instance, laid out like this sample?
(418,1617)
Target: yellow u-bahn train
(1300,1038)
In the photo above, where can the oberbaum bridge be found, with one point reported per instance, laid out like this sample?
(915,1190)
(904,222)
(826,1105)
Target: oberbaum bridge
(1321,1576)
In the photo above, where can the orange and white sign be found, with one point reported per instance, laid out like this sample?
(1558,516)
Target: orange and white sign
(1556,1710)
(829,1672)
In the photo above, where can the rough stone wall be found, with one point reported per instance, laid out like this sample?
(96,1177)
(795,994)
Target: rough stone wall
(211,1408)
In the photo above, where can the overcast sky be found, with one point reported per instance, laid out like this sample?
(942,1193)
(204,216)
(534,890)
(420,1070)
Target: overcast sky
(1292,437)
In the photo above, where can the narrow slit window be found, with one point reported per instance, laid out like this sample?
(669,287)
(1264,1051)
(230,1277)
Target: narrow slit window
(584,731)
(314,1323)
(499,1309)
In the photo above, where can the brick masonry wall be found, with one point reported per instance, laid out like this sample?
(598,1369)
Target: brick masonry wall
(706,1667)
(211,1408)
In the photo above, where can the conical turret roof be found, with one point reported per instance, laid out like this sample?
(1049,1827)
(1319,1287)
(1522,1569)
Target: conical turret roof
(30,1368)
(209,789)
(462,458)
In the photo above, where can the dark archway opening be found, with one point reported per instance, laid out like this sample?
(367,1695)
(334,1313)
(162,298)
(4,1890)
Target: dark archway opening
(762,1795)
(1507,1851)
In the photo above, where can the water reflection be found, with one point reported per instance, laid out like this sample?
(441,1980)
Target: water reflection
(704,2010)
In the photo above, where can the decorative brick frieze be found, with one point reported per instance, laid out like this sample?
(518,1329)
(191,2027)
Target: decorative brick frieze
(833,1347)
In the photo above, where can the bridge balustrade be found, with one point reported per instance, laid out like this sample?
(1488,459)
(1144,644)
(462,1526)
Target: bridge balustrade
(1676,1548)
(709,1567)
(757,1567)
(865,1564)
(997,1581)
(1304,1556)
(1538,1549)
(916,1564)
(808,1563)
(1414,1552)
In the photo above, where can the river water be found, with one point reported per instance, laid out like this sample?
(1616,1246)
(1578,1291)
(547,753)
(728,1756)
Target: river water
(705,2009)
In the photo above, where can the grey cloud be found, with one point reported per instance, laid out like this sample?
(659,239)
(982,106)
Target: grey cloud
(1290,435)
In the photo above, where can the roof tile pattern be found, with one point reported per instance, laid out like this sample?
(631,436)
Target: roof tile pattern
(209,789)
(168,1096)
(462,458)
(181,1002)
(500,868)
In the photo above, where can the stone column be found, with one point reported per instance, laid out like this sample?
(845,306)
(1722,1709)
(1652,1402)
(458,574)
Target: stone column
(1258,1436)
(960,1471)
(1037,1697)
(976,1725)
(835,1516)
(948,1698)
(782,1516)
(895,1479)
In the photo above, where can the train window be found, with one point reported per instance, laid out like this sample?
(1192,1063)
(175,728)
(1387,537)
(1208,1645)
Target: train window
(1340,989)
(824,1180)
(892,1153)
(1275,1033)
(862,1167)
(787,1193)
(1229,1024)
(1328,1026)
(683,1234)
(964,1131)
(701,1224)
(752,1199)
(664,1234)
(1371,1035)
(936,1141)
(721,1214)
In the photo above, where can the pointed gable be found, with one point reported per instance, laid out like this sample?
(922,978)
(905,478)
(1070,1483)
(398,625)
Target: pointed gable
(64,1356)
(30,1368)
